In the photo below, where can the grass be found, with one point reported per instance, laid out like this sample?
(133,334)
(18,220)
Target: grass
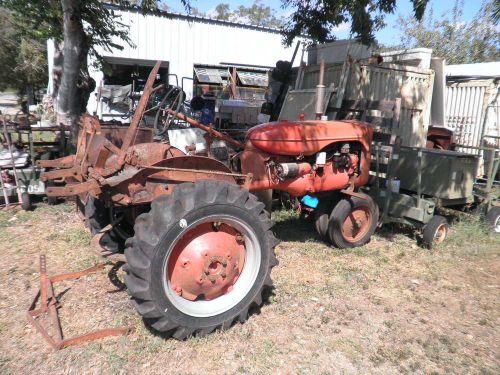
(387,307)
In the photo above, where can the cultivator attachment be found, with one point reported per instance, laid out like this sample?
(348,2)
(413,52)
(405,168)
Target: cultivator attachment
(49,306)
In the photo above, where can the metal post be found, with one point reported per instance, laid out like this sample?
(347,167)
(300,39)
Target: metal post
(16,179)
(419,177)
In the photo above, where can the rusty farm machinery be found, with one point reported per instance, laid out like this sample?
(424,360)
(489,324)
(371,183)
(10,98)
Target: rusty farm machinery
(197,241)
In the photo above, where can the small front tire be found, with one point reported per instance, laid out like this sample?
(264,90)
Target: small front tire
(493,218)
(435,231)
(352,222)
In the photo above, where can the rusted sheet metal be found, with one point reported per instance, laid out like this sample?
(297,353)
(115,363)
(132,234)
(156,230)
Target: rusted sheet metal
(49,306)
(92,161)
(115,134)
(148,89)
(147,182)
(64,162)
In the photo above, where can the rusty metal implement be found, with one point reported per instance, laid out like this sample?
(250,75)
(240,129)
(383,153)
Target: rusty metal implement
(49,305)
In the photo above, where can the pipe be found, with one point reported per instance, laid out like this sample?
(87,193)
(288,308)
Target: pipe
(320,90)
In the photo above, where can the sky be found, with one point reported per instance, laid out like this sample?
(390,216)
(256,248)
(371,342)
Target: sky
(389,35)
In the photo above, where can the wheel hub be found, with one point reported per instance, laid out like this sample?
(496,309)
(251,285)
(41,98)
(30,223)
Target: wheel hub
(356,224)
(206,262)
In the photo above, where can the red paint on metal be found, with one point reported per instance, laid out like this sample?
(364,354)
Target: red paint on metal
(326,178)
(307,137)
(206,262)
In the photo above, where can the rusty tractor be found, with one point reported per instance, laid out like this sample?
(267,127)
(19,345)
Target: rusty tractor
(197,241)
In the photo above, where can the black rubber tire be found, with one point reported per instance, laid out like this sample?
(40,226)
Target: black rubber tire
(26,202)
(51,201)
(97,217)
(493,217)
(431,229)
(342,209)
(155,233)
(322,216)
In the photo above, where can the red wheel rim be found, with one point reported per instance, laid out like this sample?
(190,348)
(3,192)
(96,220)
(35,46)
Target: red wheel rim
(206,262)
(357,224)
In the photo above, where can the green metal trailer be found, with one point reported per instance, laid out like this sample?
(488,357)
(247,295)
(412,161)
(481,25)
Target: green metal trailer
(410,183)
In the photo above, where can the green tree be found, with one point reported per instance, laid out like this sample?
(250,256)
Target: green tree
(223,11)
(79,29)
(256,14)
(453,38)
(317,18)
(22,58)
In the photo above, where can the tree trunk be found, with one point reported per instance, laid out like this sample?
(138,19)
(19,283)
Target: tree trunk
(76,84)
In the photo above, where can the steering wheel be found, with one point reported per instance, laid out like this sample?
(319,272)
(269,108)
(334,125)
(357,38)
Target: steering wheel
(173,100)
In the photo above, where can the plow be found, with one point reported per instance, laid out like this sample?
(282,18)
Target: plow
(198,242)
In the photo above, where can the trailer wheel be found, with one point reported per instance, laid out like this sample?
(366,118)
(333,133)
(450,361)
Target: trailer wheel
(97,218)
(200,258)
(435,231)
(352,222)
(493,218)
(26,204)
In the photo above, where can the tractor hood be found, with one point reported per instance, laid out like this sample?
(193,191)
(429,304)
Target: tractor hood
(307,137)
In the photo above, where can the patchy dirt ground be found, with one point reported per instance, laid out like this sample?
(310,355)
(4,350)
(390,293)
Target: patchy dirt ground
(387,308)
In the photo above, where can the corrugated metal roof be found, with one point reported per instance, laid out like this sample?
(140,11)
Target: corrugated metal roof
(489,69)
(210,75)
(253,78)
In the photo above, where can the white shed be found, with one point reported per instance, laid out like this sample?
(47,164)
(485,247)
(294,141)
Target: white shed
(184,42)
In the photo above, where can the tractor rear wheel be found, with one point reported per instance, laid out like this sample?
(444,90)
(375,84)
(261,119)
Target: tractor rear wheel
(352,222)
(200,258)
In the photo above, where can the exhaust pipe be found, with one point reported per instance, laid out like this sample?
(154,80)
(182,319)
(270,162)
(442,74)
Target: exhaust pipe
(320,91)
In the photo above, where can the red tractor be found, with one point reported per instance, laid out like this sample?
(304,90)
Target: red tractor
(200,248)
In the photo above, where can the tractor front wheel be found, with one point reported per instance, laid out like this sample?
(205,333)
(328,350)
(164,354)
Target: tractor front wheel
(352,222)
(200,258)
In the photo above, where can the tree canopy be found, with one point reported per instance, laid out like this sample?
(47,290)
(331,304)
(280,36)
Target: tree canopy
(256,14)
(23,58)
(453,38)
(318,18)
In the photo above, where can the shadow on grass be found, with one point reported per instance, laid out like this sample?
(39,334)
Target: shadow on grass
(289,226)
(390,231)
(115,280)
(254,309)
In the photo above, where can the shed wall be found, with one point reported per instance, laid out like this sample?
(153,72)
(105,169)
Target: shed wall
(472,110)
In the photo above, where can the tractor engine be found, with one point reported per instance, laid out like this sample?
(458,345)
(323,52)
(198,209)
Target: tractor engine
(307,157)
